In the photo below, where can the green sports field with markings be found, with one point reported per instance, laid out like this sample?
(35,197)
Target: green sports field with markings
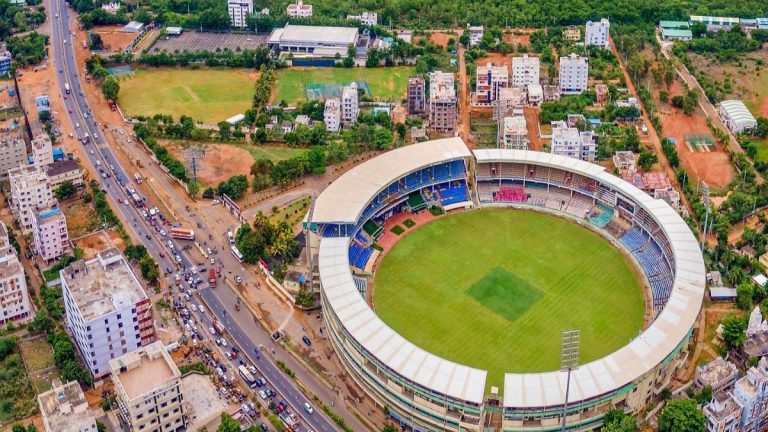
(494,288)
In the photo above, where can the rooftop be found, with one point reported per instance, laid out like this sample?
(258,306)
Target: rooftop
(723,405)
(103,284)
(737,111)
(51,213)
(142,371)
(317,34)
(674,24)
(62,166)
(525,61)
(678,33)
(441,86)
(714,372)
(516,125)
(27,176)
(656,180)
(66,407)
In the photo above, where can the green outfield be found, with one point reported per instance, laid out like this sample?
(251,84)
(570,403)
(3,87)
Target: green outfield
(207,95)
(493,289)
(385,83)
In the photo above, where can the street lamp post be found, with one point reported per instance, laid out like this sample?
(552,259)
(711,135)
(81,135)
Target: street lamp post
(569,361)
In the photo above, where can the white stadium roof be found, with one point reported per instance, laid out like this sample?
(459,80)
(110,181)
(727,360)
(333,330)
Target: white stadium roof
(737,112)
(345,199)
(322,35)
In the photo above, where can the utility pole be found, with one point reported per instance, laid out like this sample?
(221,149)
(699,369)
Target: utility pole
(707,203)
(569,361)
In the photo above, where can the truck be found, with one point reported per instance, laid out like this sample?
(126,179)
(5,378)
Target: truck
(138,178)
(212,276)
(66,88)
(138,200)
(112,104)
(182,233)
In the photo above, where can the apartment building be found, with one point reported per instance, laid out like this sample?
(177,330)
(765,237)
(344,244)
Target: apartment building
(62,171)
(13,152)
(723,413)
(14,297)
(719,374)
(514,133)
(30,192)
(239,10)
(535,94)
(489,80)
(443,113)
(42,150)
(5,62)
(510,99)
(475,35)
(596,33)
(568,141)
(751,391)
(602,93)
(108,312)
(332,115)
(148,389)
(365,18)
(350,106)
(65,409)
(49,230)
(572,34)
(574,74)
(525,71)
(299,10)
(416,95)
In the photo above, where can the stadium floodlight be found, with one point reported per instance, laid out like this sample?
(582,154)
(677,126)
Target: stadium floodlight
(706,199)
(569,361)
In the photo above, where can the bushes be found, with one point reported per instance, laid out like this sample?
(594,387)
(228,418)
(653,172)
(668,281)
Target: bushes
(28,49)
(174,166)
(234,187)
(671,152)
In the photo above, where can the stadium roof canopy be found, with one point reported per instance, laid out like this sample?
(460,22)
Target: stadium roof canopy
(345,199)
(656,343)
(319,35)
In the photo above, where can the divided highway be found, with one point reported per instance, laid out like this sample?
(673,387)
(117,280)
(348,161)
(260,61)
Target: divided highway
(98,153)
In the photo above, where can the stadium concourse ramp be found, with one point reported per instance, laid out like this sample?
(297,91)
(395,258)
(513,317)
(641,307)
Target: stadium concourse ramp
(426,392)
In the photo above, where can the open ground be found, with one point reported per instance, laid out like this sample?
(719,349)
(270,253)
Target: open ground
(114,39)
(209,95)
(385,83)
(498,298)
(193,41)
(750,80)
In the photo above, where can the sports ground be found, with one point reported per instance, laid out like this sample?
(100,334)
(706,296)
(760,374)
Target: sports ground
(209,95)
(493,289)
(385,83)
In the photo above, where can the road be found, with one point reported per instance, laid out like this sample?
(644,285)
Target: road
(99,155)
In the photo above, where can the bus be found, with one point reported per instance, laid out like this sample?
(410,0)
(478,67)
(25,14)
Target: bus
(66,87)
(236,253)
(247,376)
(182,233)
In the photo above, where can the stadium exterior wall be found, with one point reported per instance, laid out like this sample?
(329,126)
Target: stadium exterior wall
(530,401)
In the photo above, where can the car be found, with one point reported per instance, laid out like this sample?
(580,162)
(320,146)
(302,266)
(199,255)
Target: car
(264,427)
(178,259)
(208,250)
(202,308)
(93,152)
(193,270)
(223,367)
(227,355)
(130,140)
(202,270)
(308,408)
(263,395)
(223,341)
(252,405)
(144,214)
(65,41)
(149,237)
(271,393)
(162,255)
(77,125)
(306,341)
(238,279)
(213,260)
(163,233)
(85,115)
(212,330)
(170,244)
(168,269)
(194,308)
(187,297)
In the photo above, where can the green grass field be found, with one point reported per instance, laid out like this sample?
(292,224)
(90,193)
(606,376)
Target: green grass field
(385,83)
(493,289)
(208,95)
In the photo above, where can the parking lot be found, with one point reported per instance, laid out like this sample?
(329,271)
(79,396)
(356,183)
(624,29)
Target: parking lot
(195,41)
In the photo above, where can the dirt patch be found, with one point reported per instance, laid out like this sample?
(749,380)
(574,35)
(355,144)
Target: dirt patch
(496,59)
(748,77)
(114,40)
(81,218)
(98,241)
(215,162)
(441,38)
(517,39)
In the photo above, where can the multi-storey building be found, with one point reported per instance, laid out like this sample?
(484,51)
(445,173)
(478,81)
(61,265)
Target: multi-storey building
(510,99)
(572,34)
(299,10)
(596,33)
(30,192)
(751,391)
(525,71)
(108,312)
(49,229)
(514,133)
(574,73)
(350,107)
(64,170)
(475,35)
(5,62)
(490,79)
(65,409)
(14,297)
(723,413)
(332,115)
(443,113)
(719,374)
(42,150)
(13,152)
(535,94)
(239,10)
(148,389)
(365,18)
(568,141)
(416,95)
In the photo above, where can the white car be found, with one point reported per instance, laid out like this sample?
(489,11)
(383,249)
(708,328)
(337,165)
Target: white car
(194,308)
(130,140)
(170,244)
(308,408)
(213,260)
(223,342)
(93,152)
(212,330)
(178,259)
(193,269)
(263,394)
(202,309)
(163,233)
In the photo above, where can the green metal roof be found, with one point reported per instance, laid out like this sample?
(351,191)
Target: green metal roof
(673,24)
(674,33)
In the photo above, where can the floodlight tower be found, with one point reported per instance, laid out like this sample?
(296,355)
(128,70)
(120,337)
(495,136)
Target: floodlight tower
(569,361)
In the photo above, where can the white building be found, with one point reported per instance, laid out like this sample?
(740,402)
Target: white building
(475,35)
(30,192)
(239,10)
(62,171)
(325,41)
(108,312)
(514,133)
(443,105)
(148,389)
(723,413)
(596,33)
(13,153)
(299,10)
(65,409)
(42,150)
(350,107)
(535,94)
(736,116)
(574,74)
(489,80)
(111,7)
(332,115)
(568,141)
(525,71)
(510,99)
(49,230)
(751,391)
(14,297)
(365,18)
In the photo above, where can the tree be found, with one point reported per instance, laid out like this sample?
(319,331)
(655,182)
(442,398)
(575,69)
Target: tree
(682,415)
(228,424)
(389,427)
(305,298)
(234,187)
(42,323)
(704,396)
(617,420)
(647,159)
(65,190)
(744,294)
(664,96)
(734,331)
(110,88)
(225,133)
(149,269)
(45,116)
